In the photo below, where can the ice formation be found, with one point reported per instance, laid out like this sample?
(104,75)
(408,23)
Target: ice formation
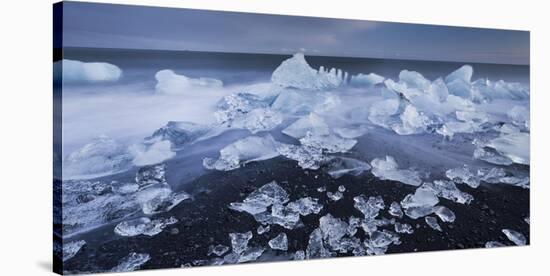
(395,210)
(370,79)
(217,250)
(253,148)
(340,166)
(387,169)
(515,236)
(71,248)
(420,203)
(143,226)
(78,71)
(298,103)
(170,83)
(280,242)
(448,190)
(445,214)
(463,175)
(296,73)
(247,111)
(131,262)
(239,241)
(262,198)
(102,156)
(432,222)
(369,206)
(514,146)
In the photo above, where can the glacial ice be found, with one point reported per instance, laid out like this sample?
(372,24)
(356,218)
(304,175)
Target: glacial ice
(370,79)
(403,228)
(520,116)
(308,157)
(151,175)
(515,146)
(432,222)
(445,214)
(263,229)
(337,167)
(387,169)
(78,71)
(459,81)
(265,196)
(316,248)
(102,156)
(143,226)
(448,190)
(170,83)
(296,73)
(395,210)
(294,102)
(370,207)
(131,262)
(251,254)
(249,149)
(332,229)
(239,241)
(217,250)
(247,111)
(463,175)
(180,134)
(299,255)
(71,248)
(280,242)
(154,200)
(486,90)
(312,123)
(491,156)
(305,206)
(515,236)
(420,203)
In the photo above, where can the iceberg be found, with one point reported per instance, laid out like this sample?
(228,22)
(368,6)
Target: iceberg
(250,149)
(515,236)
(296,73)
(459,82)
(143,226)
(71,248)
(412,122)
(387,169)
(131,262)
(280,242)
(102,156)
(151,175)
(485,90)
(370,79)
(170,83)
(75,71)
(247,111)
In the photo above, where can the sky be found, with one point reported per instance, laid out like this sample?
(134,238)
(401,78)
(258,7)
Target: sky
(139,27)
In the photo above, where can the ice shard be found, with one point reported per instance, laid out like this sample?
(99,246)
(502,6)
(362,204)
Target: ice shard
(217,250)
(463,175)
(265,196)
(340,166)
(239,241)
(370,207)
(445,214)
(131,262)
(387,169)
(448,190)
(432,222)
(515,236)
(280,242)
(253,148)
(143,226)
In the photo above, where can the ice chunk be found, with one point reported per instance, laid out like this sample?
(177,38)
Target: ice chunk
(420,203)
(493,244)
(463,73)
(414,80)
(332,229)
(335,196)
(131,262)
(180,134)
(295,72)
(370,79)
(379,242)
(154,200)
(251,254)
(305,206)
(299,255)
(492,156)
(432,222)
(102,156)
(527,220)
(247,111)
(445,214)
(71,248)
(412,122)
(339,166)
(395,210)
(387,169)
(239,241)
(170,83)
(448,190)
(369,207)
(77,71)
(315,248)
(353,224)
(151,152)
(283,216)
(253,148)
(217,250)
(403,228)
(151,175)
(143,226)
(308,157)
(519,116)
(267,195)
(383,111)
(515,146)
(311,123)
(263,229)
(280,242)
(463,175)
(331,143)
(515,236)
